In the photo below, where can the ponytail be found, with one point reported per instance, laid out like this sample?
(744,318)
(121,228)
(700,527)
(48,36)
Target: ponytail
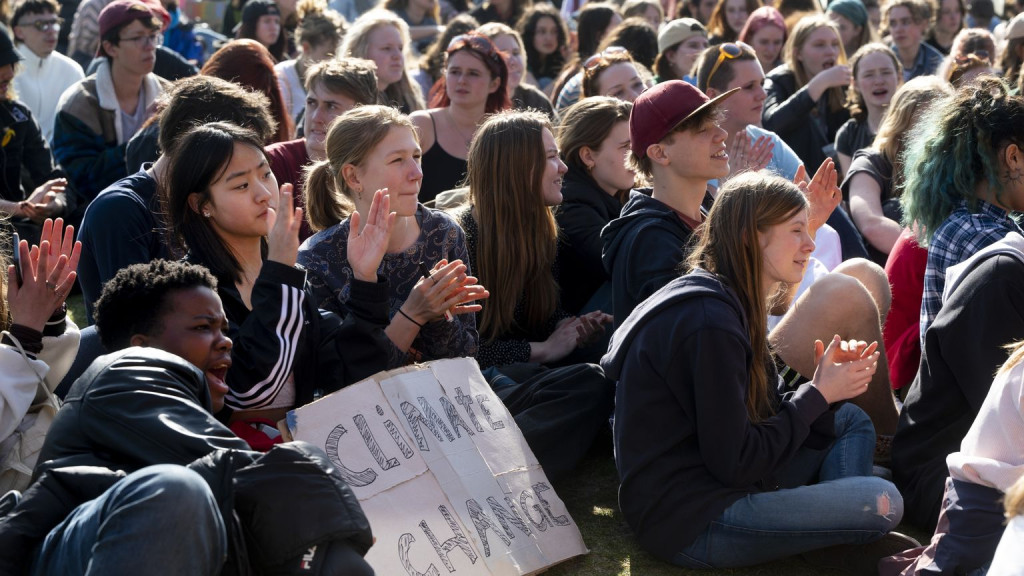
(325,206)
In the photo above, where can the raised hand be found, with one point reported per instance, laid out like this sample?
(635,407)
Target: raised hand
(749,155)
(822,193)
(47,277)
(366,247)
(283,241)
(844,373)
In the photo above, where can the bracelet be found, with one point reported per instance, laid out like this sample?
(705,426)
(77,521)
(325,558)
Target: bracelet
(409,318)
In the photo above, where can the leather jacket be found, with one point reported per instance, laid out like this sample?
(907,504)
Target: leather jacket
(142,406)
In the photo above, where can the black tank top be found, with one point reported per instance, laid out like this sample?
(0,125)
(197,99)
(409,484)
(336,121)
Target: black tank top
(441,170)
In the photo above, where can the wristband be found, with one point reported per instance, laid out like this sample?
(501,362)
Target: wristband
(409,318)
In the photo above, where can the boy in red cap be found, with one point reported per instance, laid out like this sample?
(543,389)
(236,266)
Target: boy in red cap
(97,116)
(677,145)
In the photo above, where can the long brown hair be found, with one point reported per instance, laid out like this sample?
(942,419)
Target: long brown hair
(518,233)
(352,138)
(907,104)
(729,248)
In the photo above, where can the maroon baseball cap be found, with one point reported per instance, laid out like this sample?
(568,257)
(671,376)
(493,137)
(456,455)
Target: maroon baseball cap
(121,12)
(659,110)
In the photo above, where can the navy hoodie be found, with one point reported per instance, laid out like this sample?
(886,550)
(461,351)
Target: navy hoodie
(643,249)
(684,446)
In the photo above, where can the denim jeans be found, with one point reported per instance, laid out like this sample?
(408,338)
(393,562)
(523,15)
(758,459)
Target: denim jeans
(159,520)
(843,505)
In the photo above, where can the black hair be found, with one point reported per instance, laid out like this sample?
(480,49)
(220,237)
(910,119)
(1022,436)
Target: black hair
(198,159)
(136,299)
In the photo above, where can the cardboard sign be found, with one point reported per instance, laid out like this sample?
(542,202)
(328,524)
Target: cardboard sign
(443,473)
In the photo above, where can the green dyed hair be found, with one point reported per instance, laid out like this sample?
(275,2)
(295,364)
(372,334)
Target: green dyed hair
(955,146)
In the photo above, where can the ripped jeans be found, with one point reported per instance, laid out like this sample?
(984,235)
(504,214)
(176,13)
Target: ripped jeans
(828,498)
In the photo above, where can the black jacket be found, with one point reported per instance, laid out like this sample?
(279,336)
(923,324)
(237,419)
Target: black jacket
(963,349)
(286,334)
(685,448)
(584,211)
(806,125)
(141,406)
(23,149)
(643,250)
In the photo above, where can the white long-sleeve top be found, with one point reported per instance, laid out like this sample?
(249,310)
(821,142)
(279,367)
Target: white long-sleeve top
(19,376)
(40,83)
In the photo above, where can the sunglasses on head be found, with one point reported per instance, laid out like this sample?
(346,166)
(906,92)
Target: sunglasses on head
(727,51)
(476,43)
(980,54)
(597,59)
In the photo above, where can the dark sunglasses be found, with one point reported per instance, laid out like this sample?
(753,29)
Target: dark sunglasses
(601,57)
(726,51)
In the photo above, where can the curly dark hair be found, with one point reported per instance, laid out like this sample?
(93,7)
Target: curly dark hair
(136,299)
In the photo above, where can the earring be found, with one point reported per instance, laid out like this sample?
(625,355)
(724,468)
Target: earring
(359,193)
(206,214)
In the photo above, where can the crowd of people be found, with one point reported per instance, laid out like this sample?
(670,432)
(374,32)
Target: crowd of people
(773,247)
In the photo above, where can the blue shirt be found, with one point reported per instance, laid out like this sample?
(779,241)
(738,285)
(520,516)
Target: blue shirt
(927,61)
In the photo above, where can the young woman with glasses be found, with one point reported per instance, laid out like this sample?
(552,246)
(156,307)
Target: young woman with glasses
(474,84)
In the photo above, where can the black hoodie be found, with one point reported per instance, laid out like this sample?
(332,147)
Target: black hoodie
(584,211)
(643,250)
(684,445)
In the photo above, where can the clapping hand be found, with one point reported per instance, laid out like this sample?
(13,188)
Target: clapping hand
(283,242)
(366,247)
(822,193)
(844,369)
(48,272)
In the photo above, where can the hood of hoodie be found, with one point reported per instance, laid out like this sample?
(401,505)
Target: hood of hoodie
(639,210)
(1011,245)
(579,187)
(696,284)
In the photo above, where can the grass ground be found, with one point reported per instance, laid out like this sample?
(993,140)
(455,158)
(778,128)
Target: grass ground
(591,497)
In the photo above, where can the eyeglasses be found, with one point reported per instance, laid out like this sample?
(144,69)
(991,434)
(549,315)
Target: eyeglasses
(155,39)
(727,51)
(45,25)
(596,60)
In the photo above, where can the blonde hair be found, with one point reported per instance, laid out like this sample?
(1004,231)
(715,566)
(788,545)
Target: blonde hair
(352,137)
(405,93)
(797,38)
(907,104)
(1015,495)
(518,235)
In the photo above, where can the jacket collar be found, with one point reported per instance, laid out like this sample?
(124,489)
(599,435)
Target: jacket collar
(107,98)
